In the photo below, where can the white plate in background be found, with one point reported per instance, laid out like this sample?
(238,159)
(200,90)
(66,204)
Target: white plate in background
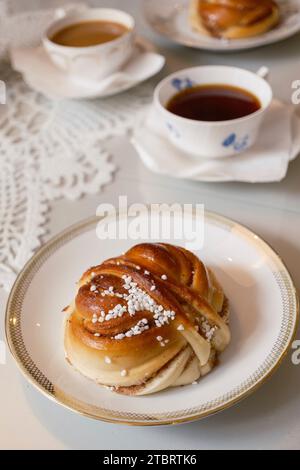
(170,18)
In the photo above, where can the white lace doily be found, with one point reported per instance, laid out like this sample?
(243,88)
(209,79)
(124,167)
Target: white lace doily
(49,150)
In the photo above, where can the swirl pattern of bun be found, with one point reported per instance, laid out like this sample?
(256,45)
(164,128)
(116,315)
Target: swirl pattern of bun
(234,19)
(150,319)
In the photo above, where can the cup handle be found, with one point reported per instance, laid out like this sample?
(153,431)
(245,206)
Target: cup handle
(263,72)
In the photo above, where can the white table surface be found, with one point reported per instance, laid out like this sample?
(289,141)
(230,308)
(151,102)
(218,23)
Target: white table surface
(270,418)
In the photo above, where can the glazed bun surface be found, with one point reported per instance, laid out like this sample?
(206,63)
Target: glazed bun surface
(233,19)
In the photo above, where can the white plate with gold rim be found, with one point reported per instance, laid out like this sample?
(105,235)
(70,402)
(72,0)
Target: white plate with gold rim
(264,310)
(171,20)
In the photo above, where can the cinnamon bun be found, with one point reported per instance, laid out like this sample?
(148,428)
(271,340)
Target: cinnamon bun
(233,19)
(153,318)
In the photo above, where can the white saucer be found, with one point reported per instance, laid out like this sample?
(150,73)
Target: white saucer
(277,144)
(171,20)
(43,76)
(263,320)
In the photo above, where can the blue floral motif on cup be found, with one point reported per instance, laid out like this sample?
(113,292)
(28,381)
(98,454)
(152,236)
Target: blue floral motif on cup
(237,144)
(173,130)
(182,83)
(229,140)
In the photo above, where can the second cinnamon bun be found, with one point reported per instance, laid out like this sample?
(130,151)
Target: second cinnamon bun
(233,19)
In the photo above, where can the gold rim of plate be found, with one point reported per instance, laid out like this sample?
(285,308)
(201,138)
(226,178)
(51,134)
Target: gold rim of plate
(36,377)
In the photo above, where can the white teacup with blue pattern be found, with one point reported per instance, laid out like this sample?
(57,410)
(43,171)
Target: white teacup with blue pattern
(212,139)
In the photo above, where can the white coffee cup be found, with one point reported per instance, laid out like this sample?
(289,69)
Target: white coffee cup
(92,62)
(205,139)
